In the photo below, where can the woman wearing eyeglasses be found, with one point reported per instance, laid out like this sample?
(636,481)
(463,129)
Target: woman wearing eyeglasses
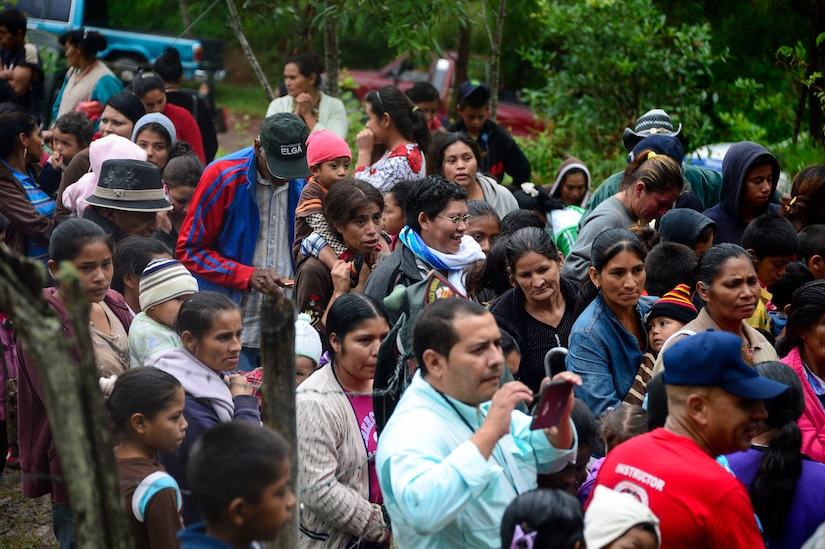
(392,146)
(434,238)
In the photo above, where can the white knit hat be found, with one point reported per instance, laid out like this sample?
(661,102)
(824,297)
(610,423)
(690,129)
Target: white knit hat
(611,514)
(307,340)
(165,279)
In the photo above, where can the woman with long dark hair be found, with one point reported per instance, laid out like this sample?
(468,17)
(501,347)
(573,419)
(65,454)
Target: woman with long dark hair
(802,350)
(785,485)
(336,432)
(729,286)
(29,209)
(395,123)
(353,211)
(539,310)
(609,338)
(457,157)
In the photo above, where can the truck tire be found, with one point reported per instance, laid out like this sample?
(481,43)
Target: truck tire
(126,65)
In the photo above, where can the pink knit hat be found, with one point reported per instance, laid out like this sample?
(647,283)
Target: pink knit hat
(324,145)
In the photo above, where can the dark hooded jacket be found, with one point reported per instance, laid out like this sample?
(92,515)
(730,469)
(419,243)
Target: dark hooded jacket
(683,225)
(739,159)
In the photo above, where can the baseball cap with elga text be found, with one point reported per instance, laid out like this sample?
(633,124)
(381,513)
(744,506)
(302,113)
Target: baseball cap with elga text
(283,138)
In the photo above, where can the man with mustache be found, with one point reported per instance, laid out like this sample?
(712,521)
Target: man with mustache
(455,452)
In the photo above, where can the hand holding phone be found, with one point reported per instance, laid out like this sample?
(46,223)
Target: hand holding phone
(549,408)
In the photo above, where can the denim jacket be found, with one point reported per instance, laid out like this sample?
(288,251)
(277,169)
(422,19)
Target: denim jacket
(604,354)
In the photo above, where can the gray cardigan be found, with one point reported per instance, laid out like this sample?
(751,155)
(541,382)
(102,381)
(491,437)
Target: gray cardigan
(333,478)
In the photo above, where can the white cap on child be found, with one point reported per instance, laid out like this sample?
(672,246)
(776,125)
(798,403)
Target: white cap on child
(307,340)
(611,514)
(165,279)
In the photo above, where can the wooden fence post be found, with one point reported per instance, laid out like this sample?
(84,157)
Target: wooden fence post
(73,398)
(278,390)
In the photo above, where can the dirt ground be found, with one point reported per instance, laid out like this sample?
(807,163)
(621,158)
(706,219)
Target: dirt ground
(241,132)
(26,523)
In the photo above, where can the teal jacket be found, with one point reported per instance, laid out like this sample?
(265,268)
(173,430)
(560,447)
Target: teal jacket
(438,488)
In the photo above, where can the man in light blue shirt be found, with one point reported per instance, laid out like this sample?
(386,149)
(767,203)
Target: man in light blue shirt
(450,459)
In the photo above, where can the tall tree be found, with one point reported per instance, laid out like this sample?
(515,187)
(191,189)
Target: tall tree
(235,23)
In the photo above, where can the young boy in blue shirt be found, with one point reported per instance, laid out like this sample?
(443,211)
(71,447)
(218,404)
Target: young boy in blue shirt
(239,478)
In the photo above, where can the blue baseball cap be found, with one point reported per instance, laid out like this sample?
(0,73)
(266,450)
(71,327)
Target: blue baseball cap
(474,87)
(717,359)
(660,144)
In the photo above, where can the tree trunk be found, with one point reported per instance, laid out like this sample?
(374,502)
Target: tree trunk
(278,391)
(331,50)
(461,62)
(235,23)
(184,13)
(303,44)
(495,70)
(72,396)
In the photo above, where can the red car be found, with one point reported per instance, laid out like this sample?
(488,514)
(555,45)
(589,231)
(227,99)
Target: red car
(401,72)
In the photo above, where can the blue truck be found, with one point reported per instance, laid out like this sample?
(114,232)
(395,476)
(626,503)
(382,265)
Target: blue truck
(128,49)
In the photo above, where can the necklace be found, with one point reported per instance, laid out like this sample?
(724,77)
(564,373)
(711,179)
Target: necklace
(81,72)
(498,453)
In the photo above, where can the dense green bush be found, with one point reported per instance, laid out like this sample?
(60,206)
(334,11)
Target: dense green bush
(607,61)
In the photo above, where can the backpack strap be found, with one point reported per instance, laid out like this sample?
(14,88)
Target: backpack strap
(666,344)
(148,487)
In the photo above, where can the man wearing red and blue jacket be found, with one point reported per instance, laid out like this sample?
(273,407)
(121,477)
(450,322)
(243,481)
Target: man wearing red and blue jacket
(237,235)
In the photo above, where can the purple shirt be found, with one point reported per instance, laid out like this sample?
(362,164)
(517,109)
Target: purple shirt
(807,511)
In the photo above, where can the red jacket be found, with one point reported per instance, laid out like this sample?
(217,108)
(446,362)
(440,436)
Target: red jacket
(39,463)
(812,422)
(186,128)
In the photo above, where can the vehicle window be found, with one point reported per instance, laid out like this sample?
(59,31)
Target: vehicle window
(57,10)
(34,8)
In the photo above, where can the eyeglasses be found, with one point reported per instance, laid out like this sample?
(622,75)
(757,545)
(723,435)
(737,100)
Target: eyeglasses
(456,218)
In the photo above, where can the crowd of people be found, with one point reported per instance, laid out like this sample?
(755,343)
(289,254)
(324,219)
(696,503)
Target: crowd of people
(682,306)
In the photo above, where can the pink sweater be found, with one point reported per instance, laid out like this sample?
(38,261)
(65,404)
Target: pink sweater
(812,422)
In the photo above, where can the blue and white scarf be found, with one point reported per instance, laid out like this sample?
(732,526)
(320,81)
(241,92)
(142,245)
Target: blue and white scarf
(454,264)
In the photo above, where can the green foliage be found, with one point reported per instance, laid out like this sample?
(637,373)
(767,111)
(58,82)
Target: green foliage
(546,150)
(607,61)
(795,60)
(247,100)
(795,156)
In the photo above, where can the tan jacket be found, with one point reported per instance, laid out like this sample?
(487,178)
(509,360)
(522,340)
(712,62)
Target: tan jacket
(761,349)
(333,477)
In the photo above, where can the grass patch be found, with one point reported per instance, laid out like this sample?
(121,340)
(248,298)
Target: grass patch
(246,100)
(24,523)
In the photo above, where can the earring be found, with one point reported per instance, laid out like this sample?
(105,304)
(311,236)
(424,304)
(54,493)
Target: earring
(25,153)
